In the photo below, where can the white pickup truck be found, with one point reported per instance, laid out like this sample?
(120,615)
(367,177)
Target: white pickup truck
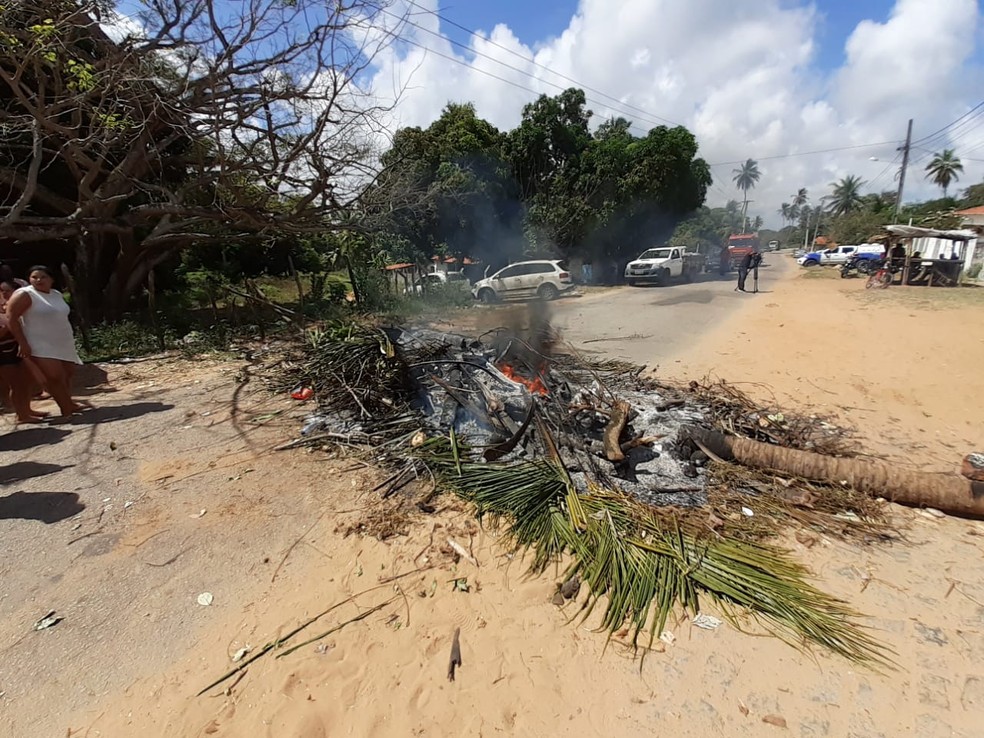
(663,264)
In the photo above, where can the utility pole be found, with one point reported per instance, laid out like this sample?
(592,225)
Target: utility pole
(905,163)
(806,232)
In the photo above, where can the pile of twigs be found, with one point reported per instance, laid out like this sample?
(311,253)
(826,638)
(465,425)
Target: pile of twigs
(737,414)
(642,561)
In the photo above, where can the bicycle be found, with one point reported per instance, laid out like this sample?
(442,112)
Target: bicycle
(881,278)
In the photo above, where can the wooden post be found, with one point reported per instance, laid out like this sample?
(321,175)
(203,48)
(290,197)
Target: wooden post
(152,307)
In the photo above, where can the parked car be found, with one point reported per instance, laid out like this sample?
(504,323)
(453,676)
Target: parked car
(839,254)
(434,279)
(659,266)
(543,279)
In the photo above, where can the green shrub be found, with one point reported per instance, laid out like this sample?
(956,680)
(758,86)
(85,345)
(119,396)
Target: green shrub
(128,338)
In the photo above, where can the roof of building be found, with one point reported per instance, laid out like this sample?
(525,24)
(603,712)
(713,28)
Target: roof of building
(979,210)
(915,232)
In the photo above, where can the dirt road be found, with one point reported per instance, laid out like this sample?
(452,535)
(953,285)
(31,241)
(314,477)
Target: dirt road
(170,490)
(647,325)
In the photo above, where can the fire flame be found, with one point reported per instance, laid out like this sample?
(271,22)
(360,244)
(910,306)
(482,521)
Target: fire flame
(534,385)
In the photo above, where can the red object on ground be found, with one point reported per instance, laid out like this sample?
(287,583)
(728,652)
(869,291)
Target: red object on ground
(302,393)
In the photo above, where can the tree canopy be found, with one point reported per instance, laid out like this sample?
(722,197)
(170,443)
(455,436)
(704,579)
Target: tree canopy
(216,121)
(548,187)
(846,195)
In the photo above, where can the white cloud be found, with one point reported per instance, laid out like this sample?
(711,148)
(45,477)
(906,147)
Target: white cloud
(741,75)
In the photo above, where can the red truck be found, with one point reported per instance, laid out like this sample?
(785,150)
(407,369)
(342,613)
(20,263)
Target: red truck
(741,244)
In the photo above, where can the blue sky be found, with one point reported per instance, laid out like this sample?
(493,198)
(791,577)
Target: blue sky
(762,79)
(535,21)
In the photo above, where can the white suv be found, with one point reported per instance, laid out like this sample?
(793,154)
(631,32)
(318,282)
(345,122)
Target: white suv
(543,279)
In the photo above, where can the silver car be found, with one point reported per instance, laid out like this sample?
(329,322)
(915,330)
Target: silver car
(543,279)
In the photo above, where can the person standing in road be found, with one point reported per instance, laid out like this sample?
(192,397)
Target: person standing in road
(749,262)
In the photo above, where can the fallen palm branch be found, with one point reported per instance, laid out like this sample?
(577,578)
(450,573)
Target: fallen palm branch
(643,565)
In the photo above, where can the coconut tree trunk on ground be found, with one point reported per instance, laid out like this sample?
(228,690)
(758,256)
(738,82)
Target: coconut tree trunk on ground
(950,493)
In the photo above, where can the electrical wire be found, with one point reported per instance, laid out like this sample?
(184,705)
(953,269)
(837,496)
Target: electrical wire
(934,134)
(806,153)
(535,63)
(525,73)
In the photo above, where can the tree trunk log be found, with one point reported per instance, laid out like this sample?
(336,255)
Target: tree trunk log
(950,493)
(613,431)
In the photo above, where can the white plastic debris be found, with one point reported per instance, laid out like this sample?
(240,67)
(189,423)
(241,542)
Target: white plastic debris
(47,621)
(707,622)
(127,504)
(205,599)
(198,514)
(747,512)
(238,655)
(932,512)
(667,637)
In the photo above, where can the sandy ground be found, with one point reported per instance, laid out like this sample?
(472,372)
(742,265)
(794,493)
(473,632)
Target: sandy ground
(902,365)
(273,549)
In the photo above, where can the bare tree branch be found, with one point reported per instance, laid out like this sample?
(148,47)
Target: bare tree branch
(250,115)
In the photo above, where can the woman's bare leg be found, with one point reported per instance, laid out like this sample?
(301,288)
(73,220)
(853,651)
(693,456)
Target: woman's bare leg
(57,382)
(16,376)
(5,390)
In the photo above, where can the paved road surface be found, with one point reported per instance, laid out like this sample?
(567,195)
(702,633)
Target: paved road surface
(647,325)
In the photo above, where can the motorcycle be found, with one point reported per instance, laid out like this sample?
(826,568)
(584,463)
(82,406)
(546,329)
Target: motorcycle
(858,265)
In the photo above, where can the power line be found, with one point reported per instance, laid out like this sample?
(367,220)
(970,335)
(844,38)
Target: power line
(535,63)
(497,61)
(925,139)
(884,171)
(805,153)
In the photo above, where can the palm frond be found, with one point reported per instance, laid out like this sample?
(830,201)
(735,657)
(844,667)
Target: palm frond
(642,565)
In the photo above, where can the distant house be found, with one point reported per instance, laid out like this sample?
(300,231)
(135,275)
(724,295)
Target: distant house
(973,217)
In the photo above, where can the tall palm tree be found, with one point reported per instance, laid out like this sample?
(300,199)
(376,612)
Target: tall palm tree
(786,213)
(799,200)
(944,168)
(745,178)
(846,197)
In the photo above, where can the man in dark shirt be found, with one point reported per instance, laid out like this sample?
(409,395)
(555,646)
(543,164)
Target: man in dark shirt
(748,262)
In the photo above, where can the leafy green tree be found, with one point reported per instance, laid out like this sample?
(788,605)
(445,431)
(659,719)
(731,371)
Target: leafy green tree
(944,169)
(973,196)
(121,153)
(846,195)
(473,205)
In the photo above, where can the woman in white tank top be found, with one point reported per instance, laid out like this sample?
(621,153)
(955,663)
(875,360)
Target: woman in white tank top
(38,316)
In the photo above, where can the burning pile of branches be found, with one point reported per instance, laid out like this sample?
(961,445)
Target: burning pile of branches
(584,460)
